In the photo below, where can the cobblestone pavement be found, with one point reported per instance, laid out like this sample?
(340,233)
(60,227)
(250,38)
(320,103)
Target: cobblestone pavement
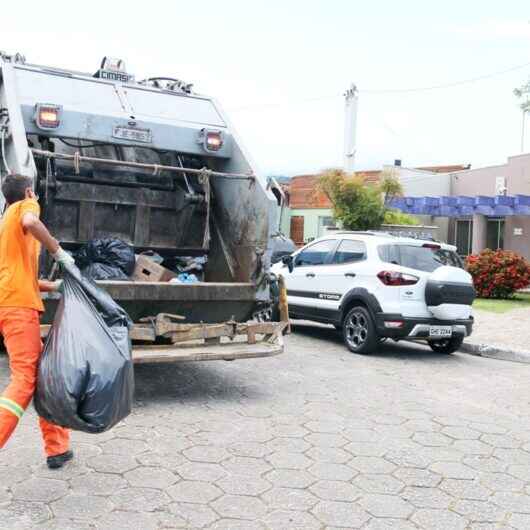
(316,438)
(504,330)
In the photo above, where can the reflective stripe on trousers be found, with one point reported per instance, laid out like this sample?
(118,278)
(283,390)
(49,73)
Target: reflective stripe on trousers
(21,330)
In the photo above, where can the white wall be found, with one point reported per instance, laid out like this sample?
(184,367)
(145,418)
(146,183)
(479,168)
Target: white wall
(419,183)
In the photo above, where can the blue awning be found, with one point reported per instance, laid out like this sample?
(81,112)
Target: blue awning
(458,206)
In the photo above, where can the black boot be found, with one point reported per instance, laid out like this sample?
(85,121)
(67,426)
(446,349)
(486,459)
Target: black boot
(58,461)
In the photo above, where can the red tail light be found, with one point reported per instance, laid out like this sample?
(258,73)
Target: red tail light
(434,246)
(394,278)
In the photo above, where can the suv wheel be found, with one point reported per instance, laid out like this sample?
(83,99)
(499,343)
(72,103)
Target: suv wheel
(447,345)
(358,331)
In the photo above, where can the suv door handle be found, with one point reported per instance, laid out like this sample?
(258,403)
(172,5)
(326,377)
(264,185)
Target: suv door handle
(349,274)
(310,274)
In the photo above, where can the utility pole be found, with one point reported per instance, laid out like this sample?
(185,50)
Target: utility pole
(523,94)
(351,97)
(523,127)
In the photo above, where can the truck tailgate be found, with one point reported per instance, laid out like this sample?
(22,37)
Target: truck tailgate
(206,352)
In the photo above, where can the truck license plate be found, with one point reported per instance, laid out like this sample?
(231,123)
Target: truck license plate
(132,133)
(440,332)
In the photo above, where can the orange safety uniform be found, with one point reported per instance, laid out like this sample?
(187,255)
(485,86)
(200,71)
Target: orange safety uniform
(20,305)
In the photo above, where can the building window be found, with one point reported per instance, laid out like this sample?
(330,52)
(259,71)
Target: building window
(323,223)
(495,234)
(464,236)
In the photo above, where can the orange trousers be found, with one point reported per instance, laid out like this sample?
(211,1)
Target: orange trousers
(21,330)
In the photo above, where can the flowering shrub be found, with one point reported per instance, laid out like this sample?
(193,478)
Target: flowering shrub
(499,273)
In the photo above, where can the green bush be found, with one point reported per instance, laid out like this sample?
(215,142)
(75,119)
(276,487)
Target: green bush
(395,217)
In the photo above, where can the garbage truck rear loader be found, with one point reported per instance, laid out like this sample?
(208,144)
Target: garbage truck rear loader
(159,167)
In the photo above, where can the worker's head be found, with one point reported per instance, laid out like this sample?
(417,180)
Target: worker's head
(17,187)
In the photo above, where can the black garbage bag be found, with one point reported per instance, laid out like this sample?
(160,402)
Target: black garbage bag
(111,252)
(100,271)
(85,379)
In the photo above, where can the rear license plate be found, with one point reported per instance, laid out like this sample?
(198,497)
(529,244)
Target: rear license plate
(440,331)
(132,133)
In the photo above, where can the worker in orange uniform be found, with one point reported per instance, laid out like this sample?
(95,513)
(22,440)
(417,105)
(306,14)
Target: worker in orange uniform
(21,236)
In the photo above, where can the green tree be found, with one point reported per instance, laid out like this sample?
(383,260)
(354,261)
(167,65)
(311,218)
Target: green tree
(390,187)
(361,206)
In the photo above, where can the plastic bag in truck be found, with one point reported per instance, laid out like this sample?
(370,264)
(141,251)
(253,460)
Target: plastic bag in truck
(85,379)
(106,259)
(101,271)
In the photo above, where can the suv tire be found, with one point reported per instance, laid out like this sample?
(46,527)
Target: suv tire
(446,346)
(358,331)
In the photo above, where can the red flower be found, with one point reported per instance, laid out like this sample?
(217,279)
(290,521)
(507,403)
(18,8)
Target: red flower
(498,274)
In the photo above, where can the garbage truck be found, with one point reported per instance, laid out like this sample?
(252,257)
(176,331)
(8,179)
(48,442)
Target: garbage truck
(153,164)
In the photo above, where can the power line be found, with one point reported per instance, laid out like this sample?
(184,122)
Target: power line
(377,91)
(286,103)
(447,85)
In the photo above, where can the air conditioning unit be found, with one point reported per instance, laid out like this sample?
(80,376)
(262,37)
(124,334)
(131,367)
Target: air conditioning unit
(500,186)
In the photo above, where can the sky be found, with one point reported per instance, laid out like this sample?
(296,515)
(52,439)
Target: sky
(280,68)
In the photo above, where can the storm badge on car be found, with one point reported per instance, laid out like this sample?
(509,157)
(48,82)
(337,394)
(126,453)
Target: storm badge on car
(327,296)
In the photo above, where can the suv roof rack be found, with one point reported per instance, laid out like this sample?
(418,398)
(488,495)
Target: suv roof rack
(363,233)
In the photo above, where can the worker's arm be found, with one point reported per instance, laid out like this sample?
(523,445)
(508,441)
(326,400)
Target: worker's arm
(45,286)
(32,224)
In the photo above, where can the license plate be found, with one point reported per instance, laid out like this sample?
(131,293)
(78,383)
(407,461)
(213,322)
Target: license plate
(440,331)
(132,133)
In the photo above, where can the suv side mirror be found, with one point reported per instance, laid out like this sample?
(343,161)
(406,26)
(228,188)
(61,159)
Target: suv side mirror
(289,261)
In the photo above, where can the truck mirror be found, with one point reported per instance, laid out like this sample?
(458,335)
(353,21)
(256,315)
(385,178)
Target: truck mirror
(289,261)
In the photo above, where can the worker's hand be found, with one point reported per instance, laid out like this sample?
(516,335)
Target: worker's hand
(63,258)
(45,286)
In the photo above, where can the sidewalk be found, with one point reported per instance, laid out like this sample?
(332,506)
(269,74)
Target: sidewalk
(501,335)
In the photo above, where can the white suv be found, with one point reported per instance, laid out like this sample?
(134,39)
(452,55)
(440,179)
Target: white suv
(373,285)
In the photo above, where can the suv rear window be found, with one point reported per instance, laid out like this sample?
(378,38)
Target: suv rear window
(425,259)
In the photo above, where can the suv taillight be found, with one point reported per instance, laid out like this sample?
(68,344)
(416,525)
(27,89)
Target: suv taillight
(394,278)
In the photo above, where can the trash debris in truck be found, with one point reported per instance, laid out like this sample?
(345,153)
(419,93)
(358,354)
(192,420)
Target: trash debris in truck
(184,277)
(147,270)
(106,259)
(187,264)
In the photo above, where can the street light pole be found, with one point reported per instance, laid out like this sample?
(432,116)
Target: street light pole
(523,127)
(350,127)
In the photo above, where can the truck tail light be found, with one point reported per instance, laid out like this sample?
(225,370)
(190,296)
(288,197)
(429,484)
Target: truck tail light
(47,116)
(393,278)
(214,140)
(210,139)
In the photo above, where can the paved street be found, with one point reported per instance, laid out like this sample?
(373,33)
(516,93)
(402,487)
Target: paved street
(317,438)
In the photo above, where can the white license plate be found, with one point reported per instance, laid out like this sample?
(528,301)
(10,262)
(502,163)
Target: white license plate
(132,133)
(440,331)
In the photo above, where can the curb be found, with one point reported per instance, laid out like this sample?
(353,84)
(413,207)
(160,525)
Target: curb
(495,352)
